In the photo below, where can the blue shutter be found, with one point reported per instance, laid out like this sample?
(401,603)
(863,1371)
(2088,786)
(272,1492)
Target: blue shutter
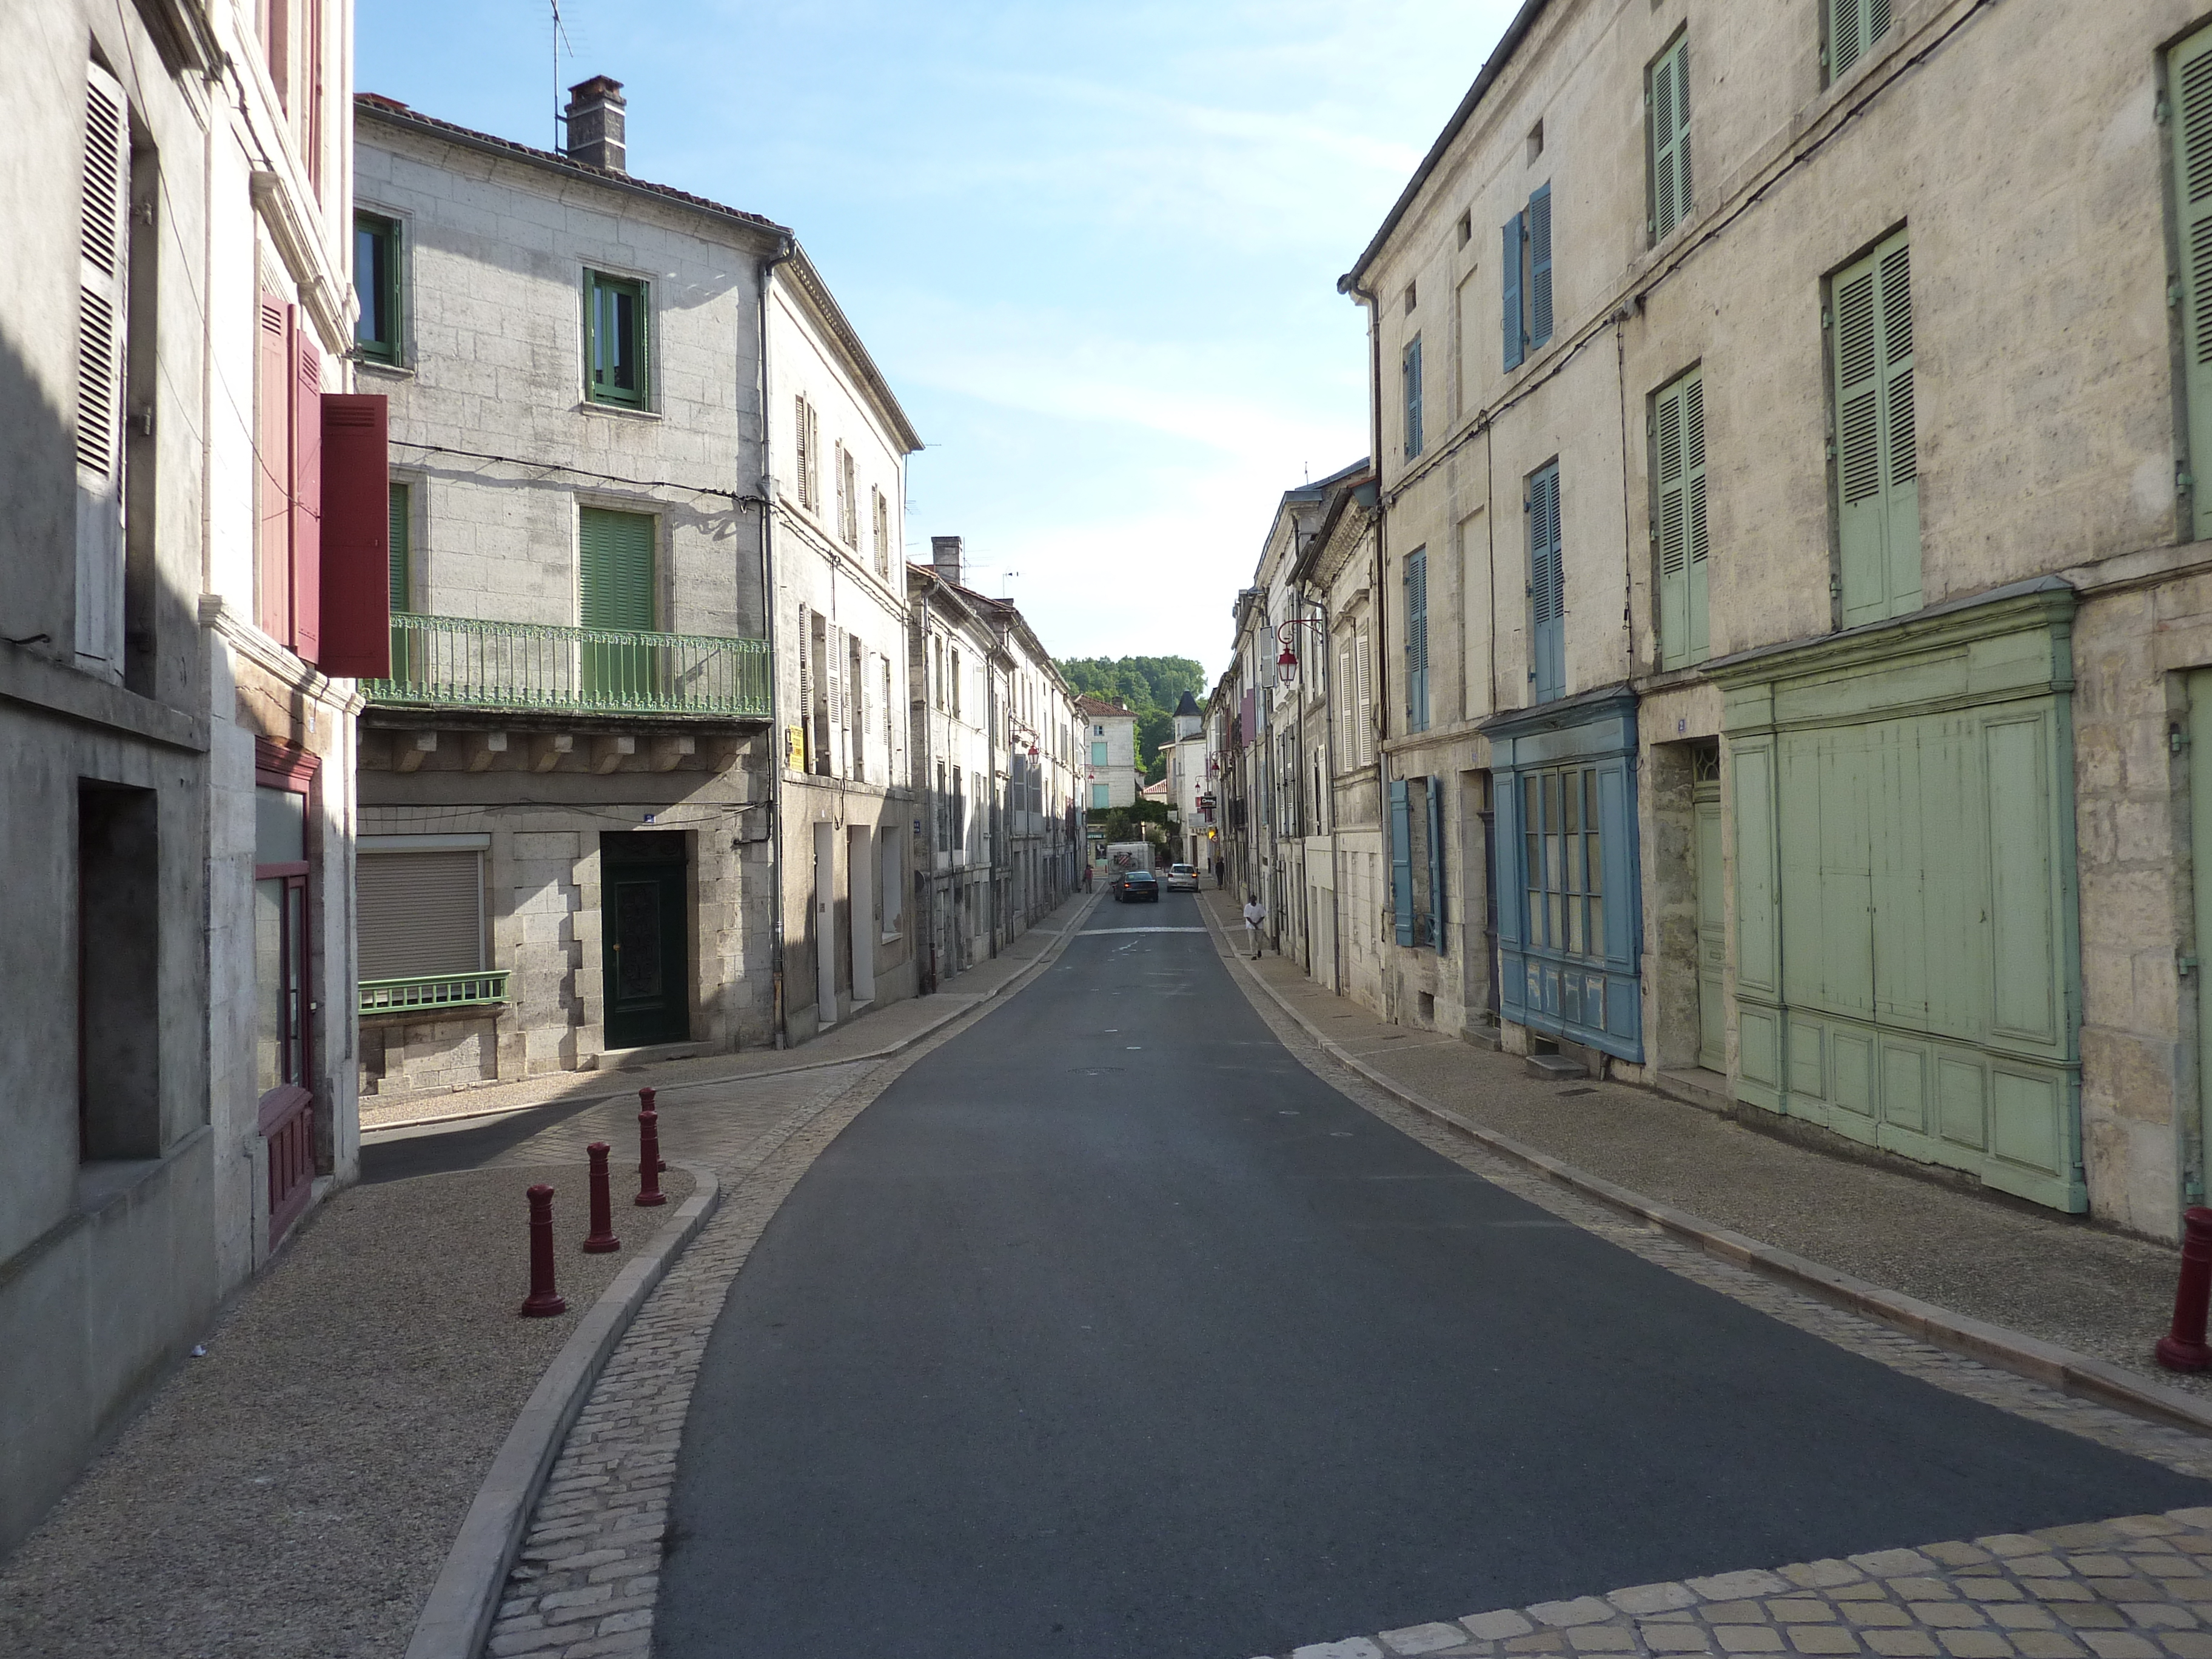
(1401,862)
(1509,883)
(1412,379)
(1436,792)
(1516,346)
(1540,266)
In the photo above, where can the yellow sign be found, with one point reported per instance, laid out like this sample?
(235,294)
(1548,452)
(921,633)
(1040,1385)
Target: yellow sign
(794,748)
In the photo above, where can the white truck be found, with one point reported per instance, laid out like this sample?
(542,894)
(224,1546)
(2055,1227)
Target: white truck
(1129,855)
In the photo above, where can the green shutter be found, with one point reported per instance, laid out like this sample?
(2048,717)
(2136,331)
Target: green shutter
(1877,472)
(402,586)
(1667,122)
(1679,469)
(2189,86)
(1853,26)
(614,570)
(1417,640)
(614,336)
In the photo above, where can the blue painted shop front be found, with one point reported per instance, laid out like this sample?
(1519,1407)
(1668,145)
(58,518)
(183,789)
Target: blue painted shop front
(1570,910)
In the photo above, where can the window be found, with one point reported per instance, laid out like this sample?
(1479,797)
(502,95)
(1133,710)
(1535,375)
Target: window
(401,544)
(1366,664)
(1667,137)
(1527,273)
(883,523)
(1547,593)
(943,812)
(615,341)
(1465,229)
(1535,141)
(615,594)
(1869,317)
(289,431)
(376,282)
(1563,862)
(1410,372)
(1098,753)
(1678,476)
(280,928)
(806,441)
(1412,291)
(420,910)
(1853,26)
(955,681)
(1417,640)
(103,322)
(1099,794)
(119,913)
(1417,881)
(848,500)
(2188,88)
(892,886)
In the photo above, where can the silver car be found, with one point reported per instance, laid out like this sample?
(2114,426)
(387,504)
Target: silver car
(1183,878)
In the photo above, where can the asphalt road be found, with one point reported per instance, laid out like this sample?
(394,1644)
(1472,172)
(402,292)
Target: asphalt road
(1111,1331)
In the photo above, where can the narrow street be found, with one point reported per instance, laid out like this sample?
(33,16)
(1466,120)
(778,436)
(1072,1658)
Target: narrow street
(1110,1329)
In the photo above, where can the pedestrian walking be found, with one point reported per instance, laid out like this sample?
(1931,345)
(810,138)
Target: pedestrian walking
(1220,873)
(1255,919)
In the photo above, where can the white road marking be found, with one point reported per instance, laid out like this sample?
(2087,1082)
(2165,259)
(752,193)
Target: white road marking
(1090,932)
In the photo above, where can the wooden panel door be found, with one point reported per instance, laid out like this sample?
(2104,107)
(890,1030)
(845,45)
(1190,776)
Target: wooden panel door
(644,931)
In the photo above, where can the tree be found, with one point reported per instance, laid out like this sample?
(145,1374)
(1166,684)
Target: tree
(1148,687)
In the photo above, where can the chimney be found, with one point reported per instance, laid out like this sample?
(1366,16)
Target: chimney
(595,124)
(945,555)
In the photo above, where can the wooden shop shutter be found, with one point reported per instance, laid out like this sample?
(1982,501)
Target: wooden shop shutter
(102,329)
(2190,87)
(358,578)
(615,569)
(420,914)
(1667,120)
(1678,470)
(1877,476)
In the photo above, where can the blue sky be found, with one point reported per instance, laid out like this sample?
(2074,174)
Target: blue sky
(1094,249)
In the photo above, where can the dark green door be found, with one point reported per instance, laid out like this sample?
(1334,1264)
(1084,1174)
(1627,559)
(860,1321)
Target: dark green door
(642,929)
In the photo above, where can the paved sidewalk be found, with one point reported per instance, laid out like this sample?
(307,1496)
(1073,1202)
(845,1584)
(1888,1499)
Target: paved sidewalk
(875,1034)
(2062,1280)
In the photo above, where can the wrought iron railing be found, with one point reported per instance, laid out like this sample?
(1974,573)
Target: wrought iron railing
(430,991)
(459,662)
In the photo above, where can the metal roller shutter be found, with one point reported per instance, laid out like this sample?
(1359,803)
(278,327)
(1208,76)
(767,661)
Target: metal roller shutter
(420,914)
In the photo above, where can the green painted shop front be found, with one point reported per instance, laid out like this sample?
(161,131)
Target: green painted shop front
(1906,949)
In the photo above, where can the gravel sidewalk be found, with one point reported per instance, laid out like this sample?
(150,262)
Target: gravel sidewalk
(295,1491)
(2065,1279)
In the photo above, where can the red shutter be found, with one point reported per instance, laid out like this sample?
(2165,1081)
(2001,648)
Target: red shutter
(307,495)
(356,531)
(272,444)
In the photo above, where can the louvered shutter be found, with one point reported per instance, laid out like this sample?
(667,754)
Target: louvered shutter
(1435,792)
(1417,640)
(420,914)
(1366,667)
(1853,26)
(1693,490)
(1401,862)
(272,432)
(102,327)
(1412,381)
(1678,470)
(799,448)
(1878,492)
(402,550)
(804,633)
(1347,705)
(1516,341)
(813,459)
(1546,587)
(1539,266)
(614,570)
(1667,117)
(833,670)
(356,527)
(2190,84)
(306,514)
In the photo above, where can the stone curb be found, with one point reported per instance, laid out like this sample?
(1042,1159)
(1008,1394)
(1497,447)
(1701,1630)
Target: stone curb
(885,1052)
(2014,1350)
(461,1604)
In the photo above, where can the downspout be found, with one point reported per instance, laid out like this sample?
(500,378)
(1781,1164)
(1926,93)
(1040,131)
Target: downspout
(784,248)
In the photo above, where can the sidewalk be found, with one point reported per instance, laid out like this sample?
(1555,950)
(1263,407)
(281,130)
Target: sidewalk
(877,1034)
(2055,1279)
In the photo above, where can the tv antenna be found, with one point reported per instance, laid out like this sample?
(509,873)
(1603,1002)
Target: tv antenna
(560,34)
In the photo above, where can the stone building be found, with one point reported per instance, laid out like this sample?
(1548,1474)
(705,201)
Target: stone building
(184,534)
(1799,554)
(1109,766)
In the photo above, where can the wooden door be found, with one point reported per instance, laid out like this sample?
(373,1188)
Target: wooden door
(1712,938)
(644,929)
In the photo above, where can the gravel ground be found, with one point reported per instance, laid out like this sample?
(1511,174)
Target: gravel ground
(2065,1279)
(295,1491)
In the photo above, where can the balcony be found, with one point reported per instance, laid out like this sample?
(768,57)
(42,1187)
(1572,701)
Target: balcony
(433,992)
(458,662)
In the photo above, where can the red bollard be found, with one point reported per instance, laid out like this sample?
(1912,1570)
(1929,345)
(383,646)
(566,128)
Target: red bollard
(602,1238)
(648,1153)
(544,1301)
(2182,1349)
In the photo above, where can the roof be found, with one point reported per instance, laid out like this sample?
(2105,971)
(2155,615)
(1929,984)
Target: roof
(787,249)
(1187,706)
(1098,707)
(1492,67)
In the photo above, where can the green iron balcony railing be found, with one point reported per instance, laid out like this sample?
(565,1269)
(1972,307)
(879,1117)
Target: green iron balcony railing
(459,662)
(432,991)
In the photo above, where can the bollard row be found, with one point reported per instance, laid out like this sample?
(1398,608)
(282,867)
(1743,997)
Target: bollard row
(545,1299)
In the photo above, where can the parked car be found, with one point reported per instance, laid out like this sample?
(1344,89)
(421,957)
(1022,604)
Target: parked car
(1132,886)
(1183,878)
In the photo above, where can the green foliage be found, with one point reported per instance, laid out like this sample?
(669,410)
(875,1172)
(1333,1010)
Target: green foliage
(1146,820)
(1149,687)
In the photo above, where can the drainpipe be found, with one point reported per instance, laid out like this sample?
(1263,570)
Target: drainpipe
(784,248)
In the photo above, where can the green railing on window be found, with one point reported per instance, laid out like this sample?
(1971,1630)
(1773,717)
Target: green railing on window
(396,996)
(458,662)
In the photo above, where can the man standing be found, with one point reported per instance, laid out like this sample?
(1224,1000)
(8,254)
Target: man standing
(1255,919)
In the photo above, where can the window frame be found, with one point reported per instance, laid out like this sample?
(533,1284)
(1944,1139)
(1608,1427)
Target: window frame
(640,292)
(385,287)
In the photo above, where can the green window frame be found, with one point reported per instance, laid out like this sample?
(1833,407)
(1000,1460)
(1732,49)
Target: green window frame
(1877,476)
(1853,26)
(376,334)
(2189,94)
(1667,138)
(617,332)
(1678,519)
